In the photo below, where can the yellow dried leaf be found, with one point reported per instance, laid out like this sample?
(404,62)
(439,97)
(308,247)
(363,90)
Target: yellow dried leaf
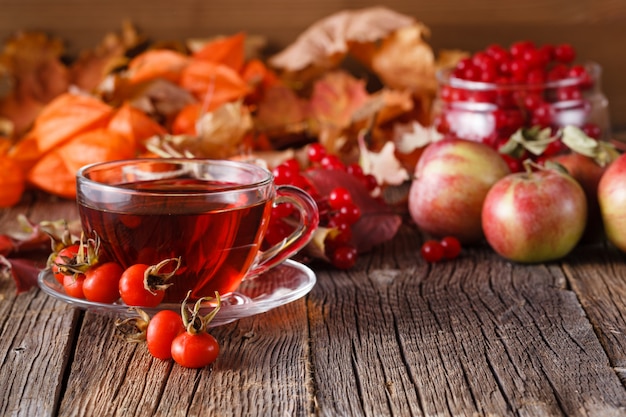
(405,61)
(326,42)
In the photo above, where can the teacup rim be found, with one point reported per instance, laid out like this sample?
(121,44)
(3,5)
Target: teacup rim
(268,177)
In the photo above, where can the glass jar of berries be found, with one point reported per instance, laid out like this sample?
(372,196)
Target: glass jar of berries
(492,94)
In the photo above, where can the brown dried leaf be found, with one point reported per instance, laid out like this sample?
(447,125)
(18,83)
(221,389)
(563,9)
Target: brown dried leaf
(33,60)
(280,109)
(220,133)
(325,43)
(159,98)
(405,61)
(33,75)
(93,65)
(336,99)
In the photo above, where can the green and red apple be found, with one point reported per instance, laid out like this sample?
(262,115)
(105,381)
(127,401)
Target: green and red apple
(535,216)
(452,178)
(612,201)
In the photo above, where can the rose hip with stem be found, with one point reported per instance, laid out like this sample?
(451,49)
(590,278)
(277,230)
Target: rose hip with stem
(195,347)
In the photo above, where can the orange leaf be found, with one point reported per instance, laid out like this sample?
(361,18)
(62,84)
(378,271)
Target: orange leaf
(260,78)
(186,120)
(228,51)
(257,73)
(50,174)
(213,84)
(25,152)
(134,125)
(98,145)
(68,115)
(12,181)
(337,97)
(157,63)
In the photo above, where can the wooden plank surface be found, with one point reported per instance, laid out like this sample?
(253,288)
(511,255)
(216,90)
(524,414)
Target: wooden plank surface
(595,28)
(392,337)
(476,336)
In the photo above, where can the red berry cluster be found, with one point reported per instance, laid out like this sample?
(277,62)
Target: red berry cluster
(436,250)
(337,210)
(522,86)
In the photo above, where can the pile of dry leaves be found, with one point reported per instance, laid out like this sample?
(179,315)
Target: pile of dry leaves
(220,98)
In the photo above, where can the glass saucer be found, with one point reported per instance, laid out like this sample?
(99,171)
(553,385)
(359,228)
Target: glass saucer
(282,284)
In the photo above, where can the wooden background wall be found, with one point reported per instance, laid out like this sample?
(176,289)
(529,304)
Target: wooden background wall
(597,28)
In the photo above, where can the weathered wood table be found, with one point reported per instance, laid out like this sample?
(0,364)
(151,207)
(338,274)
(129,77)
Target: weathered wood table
(394,336)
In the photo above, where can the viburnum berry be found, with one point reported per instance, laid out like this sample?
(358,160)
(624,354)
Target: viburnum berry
(564,53)
(451,247)
(315,152)
(344,256)
(332,162)
(339,197)
(432,251)
(283,174)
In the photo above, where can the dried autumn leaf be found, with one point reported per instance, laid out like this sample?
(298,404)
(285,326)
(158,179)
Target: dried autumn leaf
(33,60)
(50,174)
(334,102)
(411,139)
(157,63)
(185,121)
(225,50)
(68,115)
(32,237)
(12,181)
(97,145)
(281,110)
(405,61)
(222,130)
(336,98)
(383,165)
(159,98)
(25,152)
(220,133)
(212,83)
(412,136)
(23,271)
(134,125)
(32,75)
(325,43)
(93,65)
(18,113)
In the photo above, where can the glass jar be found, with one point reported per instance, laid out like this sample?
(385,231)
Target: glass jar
(492,112)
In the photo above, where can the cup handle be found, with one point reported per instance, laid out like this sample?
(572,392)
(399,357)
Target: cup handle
(298,239)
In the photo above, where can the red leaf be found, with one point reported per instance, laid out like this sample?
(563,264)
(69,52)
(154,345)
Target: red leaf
(23,271)
(378,222)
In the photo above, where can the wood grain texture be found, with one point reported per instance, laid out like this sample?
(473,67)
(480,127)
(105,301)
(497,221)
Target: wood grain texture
(393,336)
(477,336)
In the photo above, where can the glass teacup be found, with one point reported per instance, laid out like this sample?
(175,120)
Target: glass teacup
(213,214)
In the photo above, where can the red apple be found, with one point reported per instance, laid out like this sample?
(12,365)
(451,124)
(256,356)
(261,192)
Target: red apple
(536,216)
(587,172)
(452,178)
(612,200)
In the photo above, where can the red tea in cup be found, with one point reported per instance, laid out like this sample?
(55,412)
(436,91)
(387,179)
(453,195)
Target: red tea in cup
(212,214)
